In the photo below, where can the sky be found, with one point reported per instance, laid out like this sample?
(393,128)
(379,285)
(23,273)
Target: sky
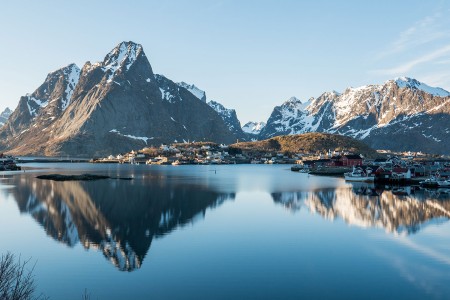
(247,55)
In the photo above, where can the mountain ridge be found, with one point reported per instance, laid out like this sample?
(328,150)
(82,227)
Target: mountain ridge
(401,114)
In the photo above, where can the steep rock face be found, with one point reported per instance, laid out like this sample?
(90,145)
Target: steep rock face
(116,105)
(45,104)
(4,116)
(201,95)
(402,114)
(228,115)
(230,118)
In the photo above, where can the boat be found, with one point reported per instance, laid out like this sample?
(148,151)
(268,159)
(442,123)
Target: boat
(443,183)
(431,182)
(358,174)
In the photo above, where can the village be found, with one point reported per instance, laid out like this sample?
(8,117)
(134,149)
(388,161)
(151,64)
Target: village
(390,167)
(210,153)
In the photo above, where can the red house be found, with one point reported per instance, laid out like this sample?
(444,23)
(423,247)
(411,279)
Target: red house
(351,160)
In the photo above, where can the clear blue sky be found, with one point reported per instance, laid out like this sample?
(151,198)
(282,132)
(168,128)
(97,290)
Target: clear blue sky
(248,55)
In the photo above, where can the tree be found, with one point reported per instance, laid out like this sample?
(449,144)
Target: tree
(17,279)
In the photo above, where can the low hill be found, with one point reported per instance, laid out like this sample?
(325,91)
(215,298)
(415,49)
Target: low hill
(309,142)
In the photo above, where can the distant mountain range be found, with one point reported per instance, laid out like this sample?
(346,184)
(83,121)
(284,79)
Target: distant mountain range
(401,114)
(119,104)
(4,116)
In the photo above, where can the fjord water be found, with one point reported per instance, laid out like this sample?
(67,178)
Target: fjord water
(220,232)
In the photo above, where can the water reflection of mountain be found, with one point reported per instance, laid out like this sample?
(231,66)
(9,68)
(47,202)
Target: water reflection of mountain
(120,218)
(398,210)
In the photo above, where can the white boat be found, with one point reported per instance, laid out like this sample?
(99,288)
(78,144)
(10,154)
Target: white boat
(358,174)
(443,183)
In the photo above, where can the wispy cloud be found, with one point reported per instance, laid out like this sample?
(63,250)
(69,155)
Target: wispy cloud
(422,32)
(422,51)
(409,65)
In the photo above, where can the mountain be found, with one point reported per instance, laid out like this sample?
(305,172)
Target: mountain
(401,114)
(230,118)
(111,106)
(4,116)
(253,127)
(308,142)
(228,115)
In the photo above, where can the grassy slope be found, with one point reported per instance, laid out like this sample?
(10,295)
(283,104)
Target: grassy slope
(309,142)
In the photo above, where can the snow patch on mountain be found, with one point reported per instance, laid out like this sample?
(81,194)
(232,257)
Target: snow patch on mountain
(35,104)
(200,94)
(142,138)
(166,95)
(72,74)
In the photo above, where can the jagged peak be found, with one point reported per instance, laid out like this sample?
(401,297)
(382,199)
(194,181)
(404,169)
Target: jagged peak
(331,94)
(293,99)
(64,70)
(124,54)
(218,107)
(215,103)
(194,90)
(7,111)
(407,82)
(253,127)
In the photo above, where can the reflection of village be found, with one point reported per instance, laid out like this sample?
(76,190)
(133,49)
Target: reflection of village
(111,217)
(402,210)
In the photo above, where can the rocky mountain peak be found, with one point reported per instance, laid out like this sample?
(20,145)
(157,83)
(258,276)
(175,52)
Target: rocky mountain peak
(200,94)
(253,127)
(293,99)
(411,83)
(120,59)
(4,116)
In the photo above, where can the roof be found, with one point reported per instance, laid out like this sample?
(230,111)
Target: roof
(352,156)
(322,160)
(380,160)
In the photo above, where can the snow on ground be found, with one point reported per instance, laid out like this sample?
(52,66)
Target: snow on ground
(142,138)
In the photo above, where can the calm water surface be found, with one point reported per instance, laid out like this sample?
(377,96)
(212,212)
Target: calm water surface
(221,232)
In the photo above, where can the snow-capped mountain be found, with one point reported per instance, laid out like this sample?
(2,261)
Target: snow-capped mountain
(4,116)
(401,114)
(111,106)
(253,127)
(194,90)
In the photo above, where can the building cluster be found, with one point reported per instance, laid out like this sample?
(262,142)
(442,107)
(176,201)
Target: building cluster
(200,153)
(8,163)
